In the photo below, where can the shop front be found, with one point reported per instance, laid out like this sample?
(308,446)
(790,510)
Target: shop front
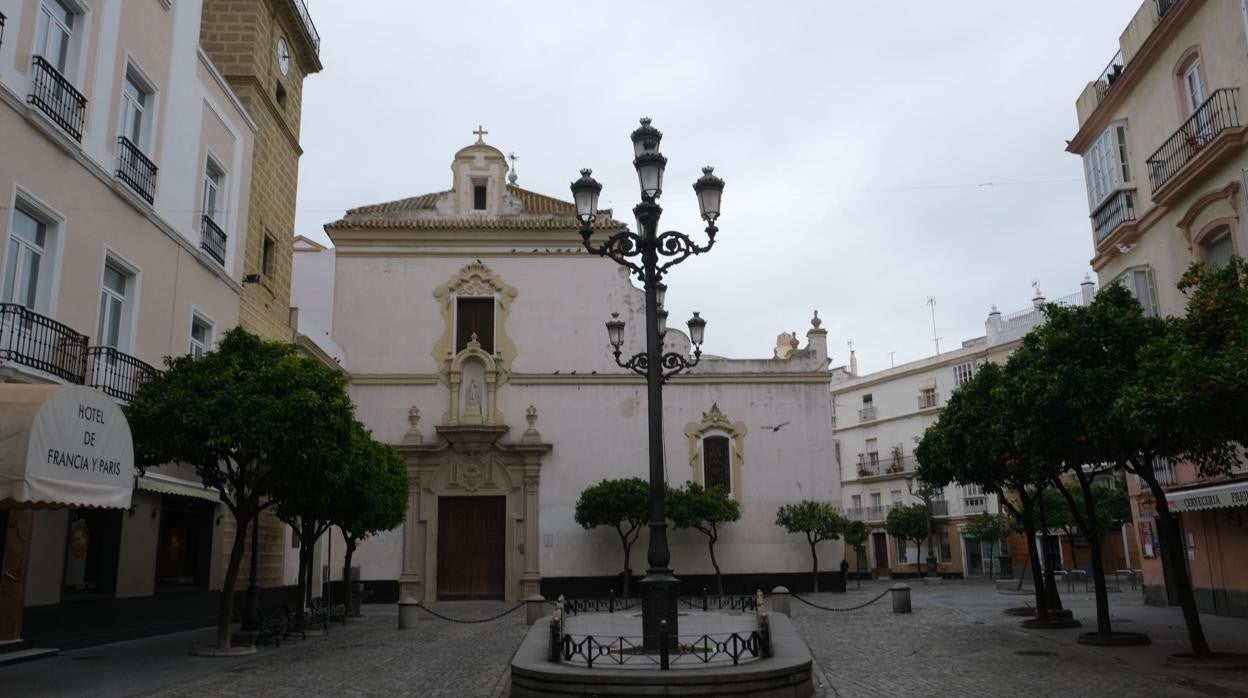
(1215,535)
(64,450)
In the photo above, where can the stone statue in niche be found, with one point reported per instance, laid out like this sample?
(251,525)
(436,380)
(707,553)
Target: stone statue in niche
(472,405)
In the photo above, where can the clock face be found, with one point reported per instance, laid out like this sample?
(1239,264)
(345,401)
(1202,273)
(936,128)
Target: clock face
(283,55)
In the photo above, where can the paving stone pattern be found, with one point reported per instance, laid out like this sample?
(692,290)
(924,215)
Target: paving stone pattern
(956,643)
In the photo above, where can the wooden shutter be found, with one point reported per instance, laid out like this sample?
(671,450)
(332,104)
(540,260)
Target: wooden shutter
(715,462)
(475,315)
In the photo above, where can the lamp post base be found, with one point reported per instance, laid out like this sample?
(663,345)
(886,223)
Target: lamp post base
(660,591)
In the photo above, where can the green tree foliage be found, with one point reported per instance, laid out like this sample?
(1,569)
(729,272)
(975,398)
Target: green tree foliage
(977,440)
(250,417)
(818,521)
(910,523)
(372,499)
(706,511)
(623,504)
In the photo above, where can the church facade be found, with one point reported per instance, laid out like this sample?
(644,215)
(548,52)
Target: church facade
(471,323)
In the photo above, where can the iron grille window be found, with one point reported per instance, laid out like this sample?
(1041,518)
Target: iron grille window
(715,462)
(474,316)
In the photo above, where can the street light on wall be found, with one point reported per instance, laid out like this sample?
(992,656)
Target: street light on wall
(648,255)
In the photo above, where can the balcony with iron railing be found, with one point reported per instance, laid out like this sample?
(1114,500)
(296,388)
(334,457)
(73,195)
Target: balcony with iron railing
(1216,114)
(867,414)
(877,513)
(1112,213)
(938,507)
(212,240)
(116,373)
(1109,76)
(135,169)
(974,505)
(30,339)
(56,97)
(302,8)
(874,465)
(855,514)
(1164,6)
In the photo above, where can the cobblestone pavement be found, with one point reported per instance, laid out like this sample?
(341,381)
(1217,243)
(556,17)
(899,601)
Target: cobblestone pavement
(956,642)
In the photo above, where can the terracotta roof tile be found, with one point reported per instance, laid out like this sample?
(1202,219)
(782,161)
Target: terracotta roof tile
(558,215)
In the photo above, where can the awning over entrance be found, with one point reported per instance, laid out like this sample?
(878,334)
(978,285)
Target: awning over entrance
(163,484)
(63,445)
(1231,494)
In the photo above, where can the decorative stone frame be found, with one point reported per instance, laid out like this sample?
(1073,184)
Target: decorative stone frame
(475,468)
(714,422)
(475,280)
(1210,211)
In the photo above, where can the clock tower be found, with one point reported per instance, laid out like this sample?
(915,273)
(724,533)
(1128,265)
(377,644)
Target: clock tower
(265,48)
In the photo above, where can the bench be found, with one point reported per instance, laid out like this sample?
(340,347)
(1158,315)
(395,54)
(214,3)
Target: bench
(273,626)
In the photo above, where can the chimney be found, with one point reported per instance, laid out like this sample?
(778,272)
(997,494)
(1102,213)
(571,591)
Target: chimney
(817,339)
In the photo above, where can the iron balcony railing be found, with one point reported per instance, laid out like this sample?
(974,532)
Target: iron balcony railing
(30,339)
(1116,210)
(56,97)
(302,7)
(2,18)
(1218,113)
(116,373)
(1164,6)
(1109,76)
(866,414)
(854,513)
(938,507)
(135,169)
(878,513)
(212,240)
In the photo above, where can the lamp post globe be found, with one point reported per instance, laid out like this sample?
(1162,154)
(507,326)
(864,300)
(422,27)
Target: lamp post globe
(710,190)
(697,328)
(585,193)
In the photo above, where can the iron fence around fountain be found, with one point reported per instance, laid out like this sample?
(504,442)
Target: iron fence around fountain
(705,602)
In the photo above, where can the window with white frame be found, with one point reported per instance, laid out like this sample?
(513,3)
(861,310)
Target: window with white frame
(1139,281)
(855,502)
(24,259)
(55,33)
(136,99)
(872,450)
(963,372)
(927,397)
(1105,165)
(972,490)
(1194,86)
(875,501)
(895,497)
(1219,248)
(116,306)
(201,336)
(214,182)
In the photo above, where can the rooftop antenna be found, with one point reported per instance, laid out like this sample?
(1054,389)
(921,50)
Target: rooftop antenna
(513,175)
(931,303)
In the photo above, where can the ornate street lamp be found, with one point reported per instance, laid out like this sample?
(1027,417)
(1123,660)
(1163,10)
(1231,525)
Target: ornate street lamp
(649,254)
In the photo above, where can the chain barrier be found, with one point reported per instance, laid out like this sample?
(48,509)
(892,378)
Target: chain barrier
(851,608)
(432,612)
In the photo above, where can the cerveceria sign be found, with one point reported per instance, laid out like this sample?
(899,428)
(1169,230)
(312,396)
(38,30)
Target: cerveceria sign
(1231,494)
(64,445)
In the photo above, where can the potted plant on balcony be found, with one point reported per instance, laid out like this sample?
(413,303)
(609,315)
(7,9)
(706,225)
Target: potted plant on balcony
(898,461)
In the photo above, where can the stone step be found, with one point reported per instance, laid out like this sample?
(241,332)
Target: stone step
(26,655)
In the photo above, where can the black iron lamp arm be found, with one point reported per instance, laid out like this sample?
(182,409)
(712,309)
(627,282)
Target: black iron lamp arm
(621,248)
(680,247)
(671,362)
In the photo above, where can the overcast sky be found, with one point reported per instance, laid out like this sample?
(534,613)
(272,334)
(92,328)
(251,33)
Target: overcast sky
(875,153)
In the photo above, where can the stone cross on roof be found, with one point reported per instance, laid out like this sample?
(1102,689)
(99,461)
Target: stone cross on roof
(480,133)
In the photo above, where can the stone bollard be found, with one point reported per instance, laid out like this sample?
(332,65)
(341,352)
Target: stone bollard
(781,601)
(901,598)
(534,608)
(409,609)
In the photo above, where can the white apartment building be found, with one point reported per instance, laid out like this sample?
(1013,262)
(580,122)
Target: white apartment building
(125,162)
(880,417)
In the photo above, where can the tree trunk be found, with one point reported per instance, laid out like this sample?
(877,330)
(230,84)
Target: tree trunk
(346,573)
(918,556)
(628,545)
(1087,522)
(719,581)
(1053,599)
(1037,575)
(1173,555)
(304,579)
(814,568)
(225,607)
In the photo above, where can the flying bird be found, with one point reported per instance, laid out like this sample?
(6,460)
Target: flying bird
(776,428)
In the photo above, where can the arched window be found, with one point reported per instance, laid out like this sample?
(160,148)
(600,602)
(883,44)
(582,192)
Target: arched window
(1217,247)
